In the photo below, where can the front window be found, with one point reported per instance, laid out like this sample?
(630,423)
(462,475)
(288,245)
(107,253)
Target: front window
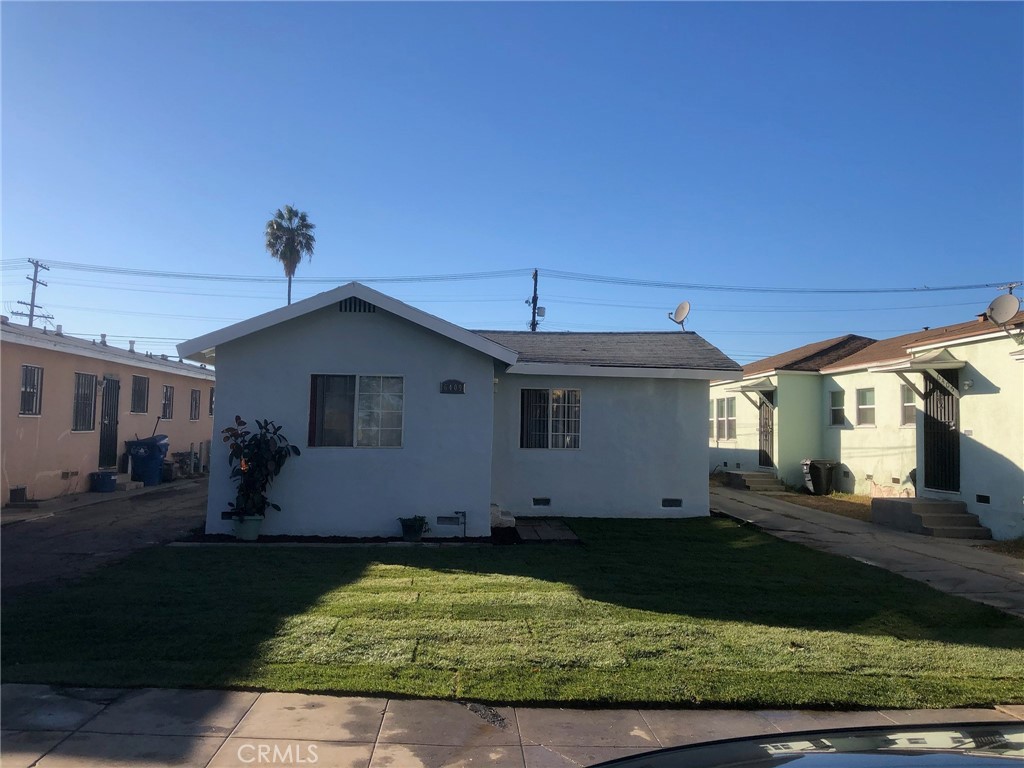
(213,391)
(836,408)
(908,406)
(31,390)
(167,404)
(356,411)
(725,417)
(140,394)
(865,406)
(83,415)
(549,418)
(711,420)
(193,405)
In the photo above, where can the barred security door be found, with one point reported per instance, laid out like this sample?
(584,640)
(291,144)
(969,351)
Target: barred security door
(108,422)
(941,433)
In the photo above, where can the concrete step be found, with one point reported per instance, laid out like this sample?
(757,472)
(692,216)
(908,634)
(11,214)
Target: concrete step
(955,519)
(959,532)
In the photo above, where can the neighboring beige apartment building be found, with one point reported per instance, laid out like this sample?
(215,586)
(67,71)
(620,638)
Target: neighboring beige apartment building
(67,406)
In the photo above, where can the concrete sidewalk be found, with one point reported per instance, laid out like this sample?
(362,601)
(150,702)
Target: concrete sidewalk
(106,728)
(954,566)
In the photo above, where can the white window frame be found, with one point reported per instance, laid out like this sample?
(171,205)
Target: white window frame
(711,419)
(907,399)
(725,419)
(356,410)
(862,409)
(837,410)
(550,419)
(37,393)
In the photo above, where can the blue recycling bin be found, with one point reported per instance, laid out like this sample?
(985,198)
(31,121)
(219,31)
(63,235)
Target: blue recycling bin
(148,458)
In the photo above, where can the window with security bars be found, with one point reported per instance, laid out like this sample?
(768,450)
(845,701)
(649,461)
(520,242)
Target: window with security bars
(356,411)
(167,404)
(549,418)
(193,405)
(213,391)
(31,390)
(83,415)
(140,394)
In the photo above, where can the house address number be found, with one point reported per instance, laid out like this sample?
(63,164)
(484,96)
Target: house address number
(453,387)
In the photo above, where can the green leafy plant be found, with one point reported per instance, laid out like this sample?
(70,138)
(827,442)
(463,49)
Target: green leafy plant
(413,527)
(256,458)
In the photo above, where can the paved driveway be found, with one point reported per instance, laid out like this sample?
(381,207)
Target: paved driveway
(63,541)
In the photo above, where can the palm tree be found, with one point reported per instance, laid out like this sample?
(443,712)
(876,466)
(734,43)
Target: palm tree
(289,238)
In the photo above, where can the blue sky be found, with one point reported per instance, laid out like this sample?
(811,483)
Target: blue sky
(803,145)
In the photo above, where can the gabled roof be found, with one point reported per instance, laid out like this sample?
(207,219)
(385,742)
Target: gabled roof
(203,348)
(40,338)
(810,357)
(637,351)
(896,348)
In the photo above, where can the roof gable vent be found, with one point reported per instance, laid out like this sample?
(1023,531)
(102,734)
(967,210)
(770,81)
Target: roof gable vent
(353,304)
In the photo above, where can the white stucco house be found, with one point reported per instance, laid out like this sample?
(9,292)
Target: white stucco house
(935,414)
(401,413)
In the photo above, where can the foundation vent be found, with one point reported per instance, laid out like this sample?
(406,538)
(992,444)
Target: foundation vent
(541,501)
(672,503)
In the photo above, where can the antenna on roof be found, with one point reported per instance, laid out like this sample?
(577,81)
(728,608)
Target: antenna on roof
(1003,309)
(679,316)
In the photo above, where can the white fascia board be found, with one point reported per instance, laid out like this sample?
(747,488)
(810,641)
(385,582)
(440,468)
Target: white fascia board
(203,348)
(568,369)
(141,361)
(864,366)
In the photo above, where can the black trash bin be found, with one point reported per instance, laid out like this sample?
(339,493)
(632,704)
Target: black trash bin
(821,476)
(148,458)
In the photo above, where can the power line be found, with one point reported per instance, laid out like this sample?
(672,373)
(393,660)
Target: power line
(508,273)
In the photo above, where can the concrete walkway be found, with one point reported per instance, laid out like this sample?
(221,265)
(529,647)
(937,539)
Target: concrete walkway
(955,566)
(92,728)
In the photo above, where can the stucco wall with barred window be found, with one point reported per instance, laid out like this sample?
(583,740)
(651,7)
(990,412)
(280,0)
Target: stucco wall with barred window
(642,443)
(443,462)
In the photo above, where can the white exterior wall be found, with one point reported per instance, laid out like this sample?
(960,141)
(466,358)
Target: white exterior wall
(797,425)
(741,453)
(883,451)
(641,440)
(991,435)
(443,466)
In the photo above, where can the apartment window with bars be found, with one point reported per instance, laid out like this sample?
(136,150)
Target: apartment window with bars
(140,394)
(213,391)
(549,418)
(356,411)
(193,405)
(908,407)
(83,415)
(167,404)
(31,390)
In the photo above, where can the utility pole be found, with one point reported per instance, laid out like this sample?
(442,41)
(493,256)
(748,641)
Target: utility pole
(32,306)
(533,305)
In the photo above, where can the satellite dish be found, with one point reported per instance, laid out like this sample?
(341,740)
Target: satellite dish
(679,316)
(1003,308)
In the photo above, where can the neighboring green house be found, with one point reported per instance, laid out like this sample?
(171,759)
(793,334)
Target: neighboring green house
(763,423)
(936,414)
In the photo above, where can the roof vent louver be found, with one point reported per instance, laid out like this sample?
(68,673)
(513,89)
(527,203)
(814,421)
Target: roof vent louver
(353,304)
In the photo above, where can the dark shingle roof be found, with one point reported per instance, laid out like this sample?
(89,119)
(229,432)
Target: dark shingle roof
(896,347)
(810,357)
(652,349)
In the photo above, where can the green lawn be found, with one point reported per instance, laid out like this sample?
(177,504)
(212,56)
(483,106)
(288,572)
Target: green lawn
(689,612)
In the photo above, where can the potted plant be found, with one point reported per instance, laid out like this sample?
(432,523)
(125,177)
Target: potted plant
(413,527)
(256,458)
